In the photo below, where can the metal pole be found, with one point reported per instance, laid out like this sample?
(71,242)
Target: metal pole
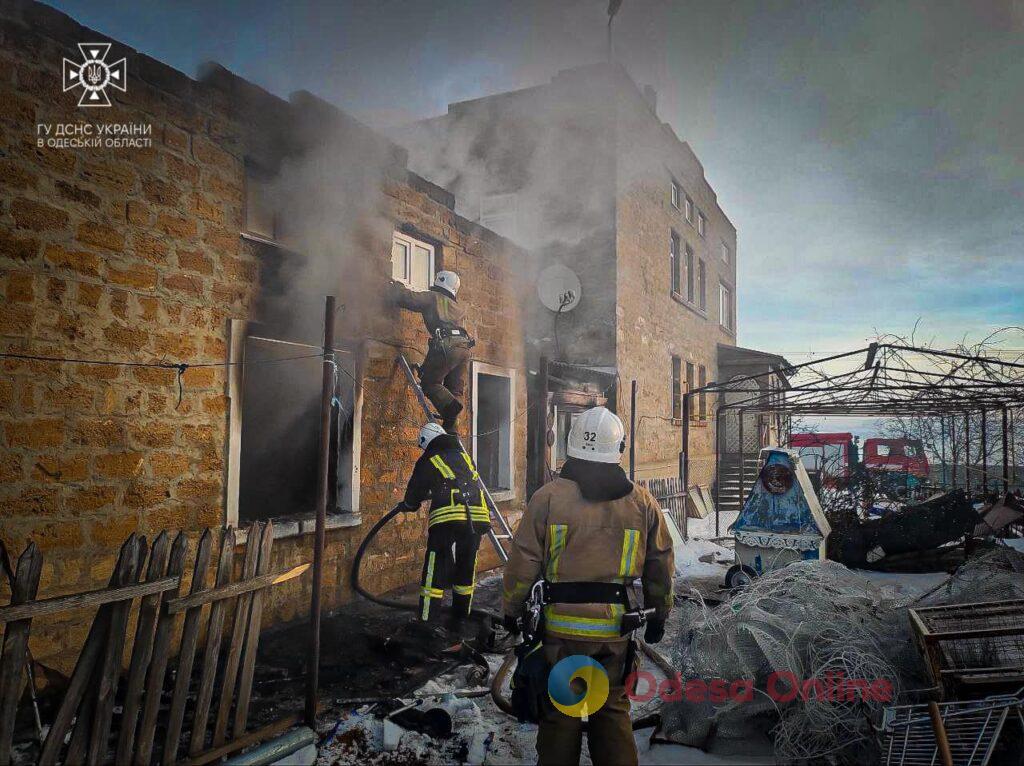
(718,468)
(632,430)
(684,462)
(984,451)
(942,438)
(967,452)
(1006,451)
(326,394)
(952,449)
(743,459)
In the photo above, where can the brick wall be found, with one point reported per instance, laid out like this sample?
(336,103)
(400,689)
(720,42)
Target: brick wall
(653,325)
(135,254)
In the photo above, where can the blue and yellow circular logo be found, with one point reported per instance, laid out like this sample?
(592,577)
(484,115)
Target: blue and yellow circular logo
(571,702)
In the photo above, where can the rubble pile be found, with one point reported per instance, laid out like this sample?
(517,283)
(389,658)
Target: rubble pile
(822,626)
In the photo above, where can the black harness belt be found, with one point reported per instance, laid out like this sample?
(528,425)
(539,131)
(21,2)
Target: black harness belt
(585,593)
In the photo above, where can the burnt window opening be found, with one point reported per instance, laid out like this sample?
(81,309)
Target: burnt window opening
(493,428)
(280,432)
(702,285)
(261,217)
(691,372)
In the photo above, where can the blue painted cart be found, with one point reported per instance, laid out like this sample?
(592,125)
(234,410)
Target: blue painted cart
(781,520)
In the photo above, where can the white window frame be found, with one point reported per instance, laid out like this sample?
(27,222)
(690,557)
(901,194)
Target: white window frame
(499,208)
(410,242)
(726,252)
(674,194)
(478,368)
(689,210)
(729,325)
(702,224)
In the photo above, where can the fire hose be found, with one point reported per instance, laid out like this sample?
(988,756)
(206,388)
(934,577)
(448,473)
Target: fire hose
(498,681)
(383,600)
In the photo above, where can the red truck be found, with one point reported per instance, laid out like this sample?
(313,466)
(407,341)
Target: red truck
(832,455)
(897,455)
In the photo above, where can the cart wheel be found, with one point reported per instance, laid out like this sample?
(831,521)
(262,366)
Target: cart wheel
(739,575)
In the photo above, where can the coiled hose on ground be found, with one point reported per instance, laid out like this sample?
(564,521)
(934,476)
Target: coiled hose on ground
(390,602)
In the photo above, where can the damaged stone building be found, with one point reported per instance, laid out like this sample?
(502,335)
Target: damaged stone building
(163,308)
(585,175)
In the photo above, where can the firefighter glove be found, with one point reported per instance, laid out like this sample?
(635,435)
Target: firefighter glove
(655,630)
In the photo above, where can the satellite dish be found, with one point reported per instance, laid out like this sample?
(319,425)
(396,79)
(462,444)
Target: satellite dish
(559,288)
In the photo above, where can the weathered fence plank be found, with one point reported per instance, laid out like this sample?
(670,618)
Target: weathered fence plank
(242,603)
(142,650)
(15,646)
(231,590)
(158,665)
(85,600)
(252,637)
(212,652)
(187,653)
(81,679)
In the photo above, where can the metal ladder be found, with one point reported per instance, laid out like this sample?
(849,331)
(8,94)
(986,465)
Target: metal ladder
(506,531)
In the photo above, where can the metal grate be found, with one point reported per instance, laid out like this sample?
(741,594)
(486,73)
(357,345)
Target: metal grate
(972,728)
(976,644)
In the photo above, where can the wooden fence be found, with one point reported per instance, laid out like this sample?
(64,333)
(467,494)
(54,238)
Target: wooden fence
(85,728)
(669,492)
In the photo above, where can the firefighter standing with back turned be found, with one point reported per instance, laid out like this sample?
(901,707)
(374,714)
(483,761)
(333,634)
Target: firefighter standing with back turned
(458,518)
(589,534)
(443,372)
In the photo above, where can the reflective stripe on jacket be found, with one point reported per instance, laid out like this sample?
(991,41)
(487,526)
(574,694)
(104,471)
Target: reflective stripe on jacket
(563,537)
(445,473)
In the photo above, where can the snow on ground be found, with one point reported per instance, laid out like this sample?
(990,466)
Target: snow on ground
(697,558)
(1016,543)
(705,528)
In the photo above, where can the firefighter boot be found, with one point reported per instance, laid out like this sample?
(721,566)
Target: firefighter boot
(450,414)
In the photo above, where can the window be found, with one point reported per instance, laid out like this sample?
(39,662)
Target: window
(910,451)
(702,285)
(702,402)
(674,194)
(673,258)
(493,434)
(498,213)
(726,254)
(884,450)
(690,284)
(702,224)
(689,210)
(677,388)
(564,420)
(259,212)
(272,456)
(725,308)
(412,262)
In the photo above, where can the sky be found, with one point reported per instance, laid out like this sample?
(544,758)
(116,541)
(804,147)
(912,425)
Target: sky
(870,155)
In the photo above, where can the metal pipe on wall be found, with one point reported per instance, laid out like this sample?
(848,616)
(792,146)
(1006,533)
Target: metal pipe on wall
(319,538)
(632,430)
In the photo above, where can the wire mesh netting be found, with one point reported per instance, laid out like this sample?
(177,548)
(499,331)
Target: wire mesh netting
(809,637)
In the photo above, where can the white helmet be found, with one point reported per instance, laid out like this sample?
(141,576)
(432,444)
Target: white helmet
(448,281)
(598,436)
(429,432)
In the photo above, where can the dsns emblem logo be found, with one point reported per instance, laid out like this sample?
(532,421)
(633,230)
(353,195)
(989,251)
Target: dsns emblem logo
(93,74)
(573,671)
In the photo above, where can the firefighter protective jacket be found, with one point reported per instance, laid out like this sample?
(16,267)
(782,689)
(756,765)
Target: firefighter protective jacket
(445,473)
(564,537)
(439,310)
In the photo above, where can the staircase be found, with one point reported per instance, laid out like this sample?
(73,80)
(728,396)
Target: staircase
(729,498)
(506,531)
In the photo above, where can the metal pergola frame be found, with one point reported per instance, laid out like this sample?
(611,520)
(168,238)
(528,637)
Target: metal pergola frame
(880,380)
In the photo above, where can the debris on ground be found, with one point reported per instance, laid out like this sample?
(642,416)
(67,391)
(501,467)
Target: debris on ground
(814,623)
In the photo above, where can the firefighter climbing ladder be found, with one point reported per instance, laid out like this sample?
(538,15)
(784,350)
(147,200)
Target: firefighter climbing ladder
(506,531)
